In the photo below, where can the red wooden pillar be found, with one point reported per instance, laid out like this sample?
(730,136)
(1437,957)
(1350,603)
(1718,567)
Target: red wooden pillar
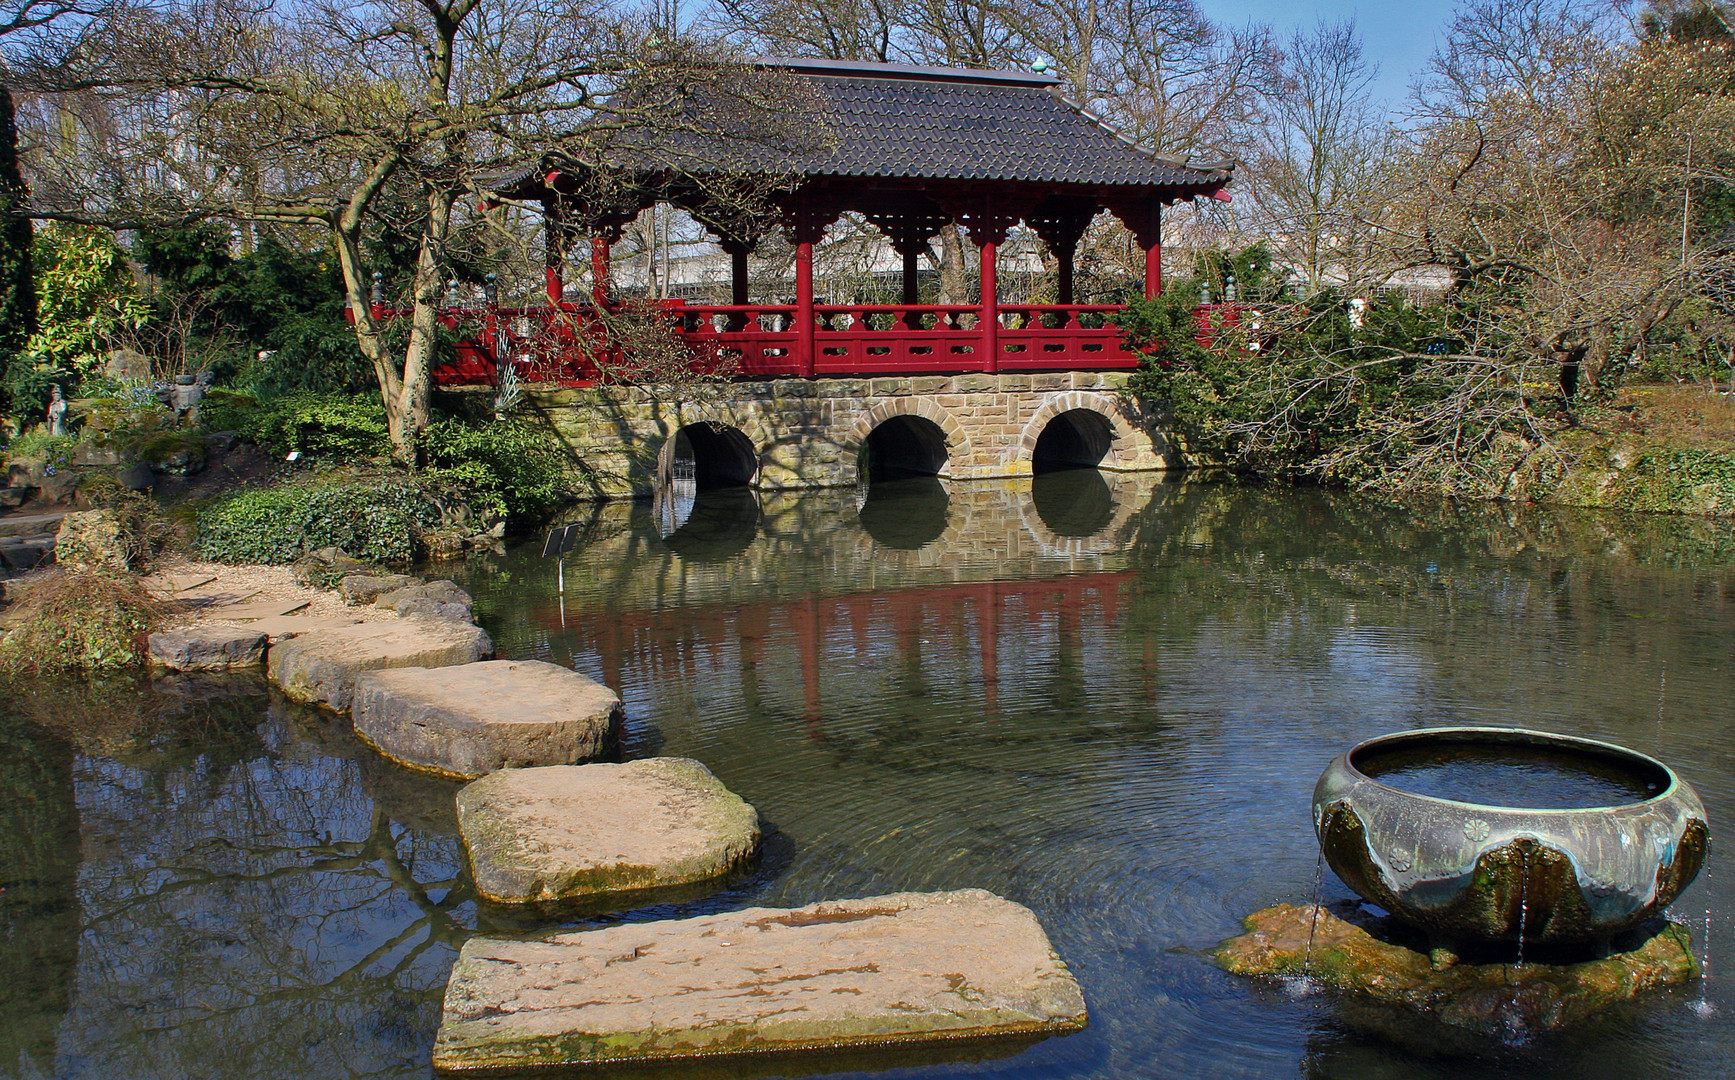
(1153,240)
(553,251)
(599,253)
(990,328)
(804,342)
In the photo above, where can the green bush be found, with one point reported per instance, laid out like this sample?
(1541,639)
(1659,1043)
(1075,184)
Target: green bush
(510,469)
(377,521)
(338,426)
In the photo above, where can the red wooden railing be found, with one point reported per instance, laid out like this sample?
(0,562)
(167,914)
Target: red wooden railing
(567,344)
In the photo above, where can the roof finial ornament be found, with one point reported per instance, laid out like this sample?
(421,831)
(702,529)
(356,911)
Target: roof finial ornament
(1040,66)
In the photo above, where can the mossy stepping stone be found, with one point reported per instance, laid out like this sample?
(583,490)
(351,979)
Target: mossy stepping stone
(569,832)
(909,968)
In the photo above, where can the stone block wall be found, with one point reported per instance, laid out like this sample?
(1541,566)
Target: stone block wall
(810,433)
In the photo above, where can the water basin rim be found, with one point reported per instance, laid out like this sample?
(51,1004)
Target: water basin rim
(1516,736)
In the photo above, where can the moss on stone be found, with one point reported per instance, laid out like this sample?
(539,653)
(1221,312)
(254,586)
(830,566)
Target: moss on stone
(1495,998)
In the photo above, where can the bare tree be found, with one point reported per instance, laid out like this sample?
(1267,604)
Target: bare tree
(333,114)
(1320,160)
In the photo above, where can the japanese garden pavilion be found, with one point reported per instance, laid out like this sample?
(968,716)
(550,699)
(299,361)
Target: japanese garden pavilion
(911,150)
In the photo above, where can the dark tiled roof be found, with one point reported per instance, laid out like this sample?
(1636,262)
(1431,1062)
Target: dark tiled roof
(956,129)
(915,123)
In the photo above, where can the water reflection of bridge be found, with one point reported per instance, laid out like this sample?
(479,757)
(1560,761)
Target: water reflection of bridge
(888,627)
(740,581)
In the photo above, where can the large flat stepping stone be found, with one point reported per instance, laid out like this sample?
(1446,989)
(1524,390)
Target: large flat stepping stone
(465,722)
(907,968)
(566,832)
(321,666)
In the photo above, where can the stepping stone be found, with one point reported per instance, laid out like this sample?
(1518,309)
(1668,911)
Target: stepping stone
(908,968)
(258,609)
(283,627)
(207,648)
(465,722)
(566,832)
(321,666)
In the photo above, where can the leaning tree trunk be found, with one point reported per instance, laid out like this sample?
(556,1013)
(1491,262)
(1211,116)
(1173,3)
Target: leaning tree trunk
(409,414)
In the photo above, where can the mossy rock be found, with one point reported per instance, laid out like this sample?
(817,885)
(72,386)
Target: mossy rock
(1500,998)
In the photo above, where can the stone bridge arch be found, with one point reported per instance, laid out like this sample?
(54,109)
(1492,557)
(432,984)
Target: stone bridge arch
(955,440)
(735,441)
(1101,430)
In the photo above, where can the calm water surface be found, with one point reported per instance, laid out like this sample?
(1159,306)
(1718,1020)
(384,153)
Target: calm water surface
(1106,699)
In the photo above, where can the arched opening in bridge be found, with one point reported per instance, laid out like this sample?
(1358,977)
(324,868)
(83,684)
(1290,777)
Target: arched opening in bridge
(1075,439)
(712,455)
(902,447)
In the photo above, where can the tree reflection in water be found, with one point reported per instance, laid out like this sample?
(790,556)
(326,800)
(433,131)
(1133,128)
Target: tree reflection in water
(244,907)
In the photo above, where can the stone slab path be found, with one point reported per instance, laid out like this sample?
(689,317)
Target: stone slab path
(906,968)
(465,722)
(572,831)
(321,666)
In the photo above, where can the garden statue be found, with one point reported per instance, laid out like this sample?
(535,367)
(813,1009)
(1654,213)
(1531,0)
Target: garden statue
(56,412)
(189,391)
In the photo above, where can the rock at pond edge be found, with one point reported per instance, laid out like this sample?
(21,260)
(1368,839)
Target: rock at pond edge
(207,648)
(901,969)
(1499,999)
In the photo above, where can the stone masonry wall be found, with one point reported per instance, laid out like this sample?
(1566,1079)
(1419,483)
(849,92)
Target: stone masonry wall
(809,433)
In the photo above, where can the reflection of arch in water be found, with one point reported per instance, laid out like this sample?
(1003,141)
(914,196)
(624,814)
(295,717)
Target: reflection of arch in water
(717,525)
(1079,512)
(710,454)
(906,437)
(1076,430)
(906,514)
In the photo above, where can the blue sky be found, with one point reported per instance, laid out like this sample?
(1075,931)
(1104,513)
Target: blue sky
(1399,36)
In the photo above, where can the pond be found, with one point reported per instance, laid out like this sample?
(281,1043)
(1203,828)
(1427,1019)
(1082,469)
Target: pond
(1105,698)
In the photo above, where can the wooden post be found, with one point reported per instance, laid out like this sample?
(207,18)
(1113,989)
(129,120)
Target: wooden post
(737,275)
(553,250)
(910,293)
(990,328)
(1154,254)
(599,254)
(1063,285)
(804,348)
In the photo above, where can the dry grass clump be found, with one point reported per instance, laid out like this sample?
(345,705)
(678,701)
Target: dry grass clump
(83,620)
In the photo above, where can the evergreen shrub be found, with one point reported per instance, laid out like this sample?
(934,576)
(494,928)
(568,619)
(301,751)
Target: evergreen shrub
(372,520)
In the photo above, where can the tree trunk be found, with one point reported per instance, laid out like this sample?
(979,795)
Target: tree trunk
(408,415)
(953,289)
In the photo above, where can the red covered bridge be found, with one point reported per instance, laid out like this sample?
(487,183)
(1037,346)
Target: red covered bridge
(912,150)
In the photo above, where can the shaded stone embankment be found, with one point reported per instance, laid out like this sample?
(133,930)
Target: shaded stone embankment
(1503,999)
(880,970)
